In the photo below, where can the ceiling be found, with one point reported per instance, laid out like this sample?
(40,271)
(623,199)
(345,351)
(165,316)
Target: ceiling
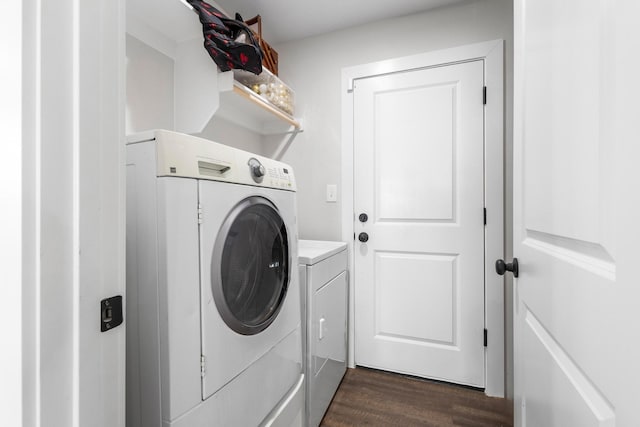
(282,20)
(285,20)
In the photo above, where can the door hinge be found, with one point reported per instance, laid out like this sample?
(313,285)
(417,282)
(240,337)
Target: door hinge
(485,337)
(354,236)
(485,216)
(203,366)
(484,95)
(199,214)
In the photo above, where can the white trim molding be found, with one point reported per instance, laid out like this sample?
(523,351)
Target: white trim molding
(11,315)
(492,55)
(72,199)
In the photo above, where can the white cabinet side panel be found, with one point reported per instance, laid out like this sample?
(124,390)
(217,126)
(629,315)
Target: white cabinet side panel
(143,364)
(179,295)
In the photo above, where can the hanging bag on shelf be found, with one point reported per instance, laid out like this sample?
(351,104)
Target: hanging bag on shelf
(222,40)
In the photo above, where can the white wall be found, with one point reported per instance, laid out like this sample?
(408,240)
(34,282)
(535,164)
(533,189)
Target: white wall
(312,67)
(228,133)
(149,88)
(151,103)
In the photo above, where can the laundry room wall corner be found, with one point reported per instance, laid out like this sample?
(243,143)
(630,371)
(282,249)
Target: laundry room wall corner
(151,97)
(149,87)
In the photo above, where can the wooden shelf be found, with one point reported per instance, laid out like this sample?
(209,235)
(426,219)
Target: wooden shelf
(247,109)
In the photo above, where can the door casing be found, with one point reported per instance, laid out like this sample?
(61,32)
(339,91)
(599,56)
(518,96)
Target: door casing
(492,55)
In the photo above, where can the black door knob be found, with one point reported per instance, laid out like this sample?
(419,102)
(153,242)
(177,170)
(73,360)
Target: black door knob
(363,237)
(502,267)
(363,217)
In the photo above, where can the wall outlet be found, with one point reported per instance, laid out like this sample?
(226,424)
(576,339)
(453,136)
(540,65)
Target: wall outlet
(332,193)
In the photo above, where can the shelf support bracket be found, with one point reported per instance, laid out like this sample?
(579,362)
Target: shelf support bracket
(284,145)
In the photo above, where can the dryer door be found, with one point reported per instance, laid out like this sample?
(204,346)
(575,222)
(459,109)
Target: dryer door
(250,266)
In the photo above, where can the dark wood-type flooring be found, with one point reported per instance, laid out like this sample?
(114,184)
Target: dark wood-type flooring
(378,398)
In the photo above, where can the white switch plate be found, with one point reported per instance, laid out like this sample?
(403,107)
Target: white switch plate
(321,329)
(332,193)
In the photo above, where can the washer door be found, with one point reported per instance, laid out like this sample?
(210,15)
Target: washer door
(250,266)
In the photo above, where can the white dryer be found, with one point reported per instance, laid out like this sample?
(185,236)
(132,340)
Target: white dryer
(323,273)
(213,295)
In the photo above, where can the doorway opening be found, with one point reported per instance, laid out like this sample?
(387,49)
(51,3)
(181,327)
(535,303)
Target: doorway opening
(409,319)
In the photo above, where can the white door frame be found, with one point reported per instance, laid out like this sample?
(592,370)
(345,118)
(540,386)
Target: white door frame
(68,246)
(11,325)
(492,53)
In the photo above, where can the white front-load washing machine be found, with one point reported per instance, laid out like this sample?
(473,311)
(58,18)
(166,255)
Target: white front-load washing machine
(213,295)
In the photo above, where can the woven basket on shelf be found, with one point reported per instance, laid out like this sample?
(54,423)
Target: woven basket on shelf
(270,59)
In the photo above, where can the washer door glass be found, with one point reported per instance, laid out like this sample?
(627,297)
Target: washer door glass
(250,266)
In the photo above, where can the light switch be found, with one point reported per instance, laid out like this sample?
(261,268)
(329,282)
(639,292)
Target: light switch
(332,193)
(321,329)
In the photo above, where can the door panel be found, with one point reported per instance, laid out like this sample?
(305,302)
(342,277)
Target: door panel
(575,223)
(419,297)
(559,380)
(430,313)
(403,131)
(563,117)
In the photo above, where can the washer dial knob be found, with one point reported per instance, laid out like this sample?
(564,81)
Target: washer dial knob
(257,170)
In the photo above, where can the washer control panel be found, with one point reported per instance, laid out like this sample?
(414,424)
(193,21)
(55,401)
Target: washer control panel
(279,177)
(181,155)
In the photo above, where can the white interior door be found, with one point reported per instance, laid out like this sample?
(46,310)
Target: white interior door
(418,176)
(576,211)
